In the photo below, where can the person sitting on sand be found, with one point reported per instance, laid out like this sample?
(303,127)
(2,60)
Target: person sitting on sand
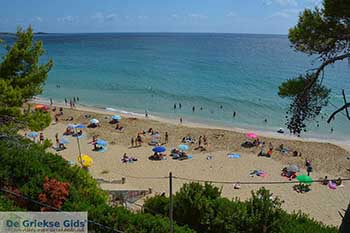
(237,185)
(150,131)
(125,158)
(68,131)
(118,127)
(325,180)
(338,182)
(69,118)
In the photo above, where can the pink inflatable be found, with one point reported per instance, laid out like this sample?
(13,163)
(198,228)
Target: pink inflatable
(332,185)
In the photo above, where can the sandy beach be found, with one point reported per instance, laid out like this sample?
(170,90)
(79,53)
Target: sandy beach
(328,159)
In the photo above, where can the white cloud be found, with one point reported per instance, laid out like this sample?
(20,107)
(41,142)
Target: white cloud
(142,17)
(101,17)
(197,16)
(281,2)
(287,13)
(67,19)
(230,14)
(38,18)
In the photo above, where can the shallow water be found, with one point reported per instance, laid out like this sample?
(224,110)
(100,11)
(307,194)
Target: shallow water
(138,72)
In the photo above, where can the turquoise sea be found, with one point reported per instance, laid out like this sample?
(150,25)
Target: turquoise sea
(152,71)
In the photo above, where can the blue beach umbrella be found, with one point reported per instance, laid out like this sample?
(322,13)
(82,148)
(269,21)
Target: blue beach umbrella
(64,141)
(71,126)
(94,121)
(183,147)
(116,117)
(159,149)
(80,126)
(32,134)
(101,142)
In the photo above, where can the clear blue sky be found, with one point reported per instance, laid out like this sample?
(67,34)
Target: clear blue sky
(237,16)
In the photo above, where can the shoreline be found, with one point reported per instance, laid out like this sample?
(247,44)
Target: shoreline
(343,143)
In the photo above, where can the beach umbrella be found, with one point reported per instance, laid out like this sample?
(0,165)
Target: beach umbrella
(64,141)
(32,134)
(304,179)
(85,160)
(71,126)
(41,106)
(251,135)
(293,168)
(94,121)
(101,142)
(116,117)
(183,147)
(80,126)
(159,149)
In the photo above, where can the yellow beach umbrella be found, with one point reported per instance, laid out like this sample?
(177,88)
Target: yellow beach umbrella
(86,160)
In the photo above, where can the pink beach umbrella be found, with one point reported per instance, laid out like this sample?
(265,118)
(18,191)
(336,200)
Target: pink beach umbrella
(251,135)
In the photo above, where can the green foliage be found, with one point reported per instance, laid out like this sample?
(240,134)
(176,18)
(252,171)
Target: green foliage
(323,32)
(24,166)
(37,120)
(21,75)
(202,209)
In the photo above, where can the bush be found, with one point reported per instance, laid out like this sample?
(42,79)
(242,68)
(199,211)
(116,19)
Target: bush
(25,166)
(202,209)
(37,120)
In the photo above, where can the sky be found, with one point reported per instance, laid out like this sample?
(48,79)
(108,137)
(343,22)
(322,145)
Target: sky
(221,16)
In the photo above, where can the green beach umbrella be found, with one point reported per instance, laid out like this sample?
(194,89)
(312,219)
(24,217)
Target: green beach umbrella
(304,179)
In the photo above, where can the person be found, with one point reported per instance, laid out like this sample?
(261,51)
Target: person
(180,120)
(166,137)
(193,108)
(146,113)
(180,106)
(125,158)
(78,98)
(221,107)
(132,141)
(174,106)
(332,130)
(237,185)
(325,180)
(61,111)
(201,108)
(234,114)
(74,100)
(309,169)
(295,153)
(50,101)
(265,120)
(56,118)
(205,140)
(41,137)
(139,139)
(57,140)
(270,146)
(338,182)
(65,101)
(307,163)
(200,141)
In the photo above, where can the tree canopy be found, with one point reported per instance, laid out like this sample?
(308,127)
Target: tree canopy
(21,74)
(325,33)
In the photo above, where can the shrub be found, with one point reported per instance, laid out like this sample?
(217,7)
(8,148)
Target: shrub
(37,120)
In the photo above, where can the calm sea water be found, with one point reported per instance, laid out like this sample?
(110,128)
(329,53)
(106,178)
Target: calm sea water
(138,72)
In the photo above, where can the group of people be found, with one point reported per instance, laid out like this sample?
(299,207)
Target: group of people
(72,101)
(127,159)
(137,141)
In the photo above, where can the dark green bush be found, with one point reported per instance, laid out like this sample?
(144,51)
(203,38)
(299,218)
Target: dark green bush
(201,208)
(24,165)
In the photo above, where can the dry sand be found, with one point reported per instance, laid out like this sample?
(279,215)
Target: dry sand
(321,203)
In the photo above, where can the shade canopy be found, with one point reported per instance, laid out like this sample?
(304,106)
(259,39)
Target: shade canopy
(101,142)
(159,149)
(85,160)
(94,121)
(183,147)
(251,135)
(116,117)
(32,134)
(293,168)
(64,141)
(304,179)
(80,126)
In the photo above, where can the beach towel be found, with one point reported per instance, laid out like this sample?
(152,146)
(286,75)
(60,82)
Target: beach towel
(234,156)
(189,156)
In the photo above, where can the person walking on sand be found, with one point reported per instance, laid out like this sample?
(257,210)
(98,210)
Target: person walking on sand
(50,101)
(65,101)
(132,142)
(146,113)
(41,137)
(200,141)
(166,137)
(180,120)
